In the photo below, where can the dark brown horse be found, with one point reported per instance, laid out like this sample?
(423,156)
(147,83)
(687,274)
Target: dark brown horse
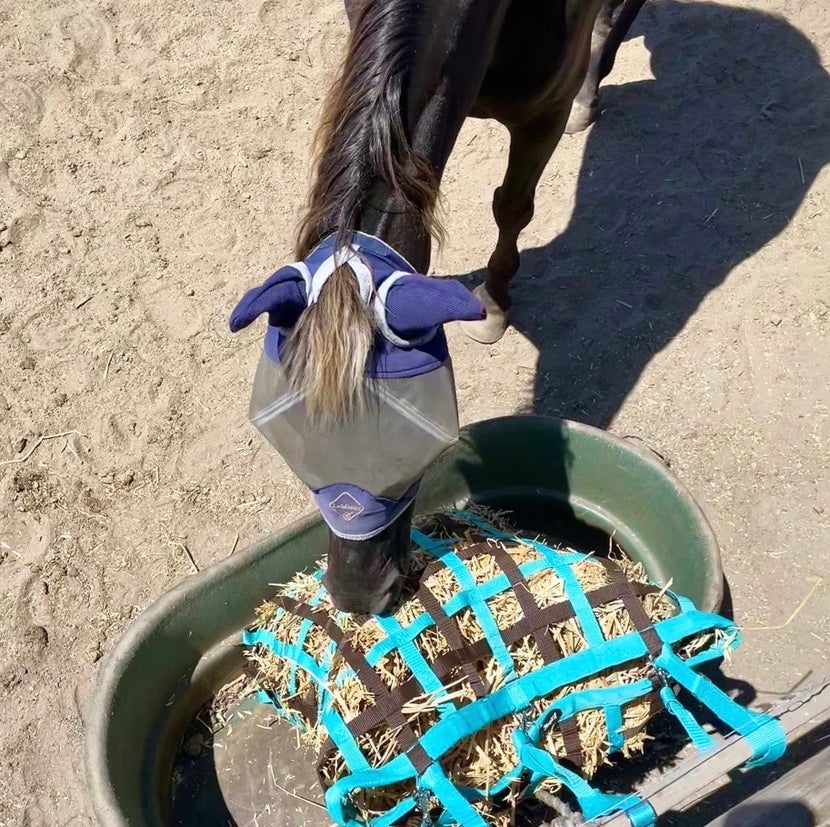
(413,72)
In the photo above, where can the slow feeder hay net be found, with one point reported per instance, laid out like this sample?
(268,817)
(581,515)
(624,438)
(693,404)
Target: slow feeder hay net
(509,665)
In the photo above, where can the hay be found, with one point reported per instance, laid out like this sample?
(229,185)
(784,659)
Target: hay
(482,759)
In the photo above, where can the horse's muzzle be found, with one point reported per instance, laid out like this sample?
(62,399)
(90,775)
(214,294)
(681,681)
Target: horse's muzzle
(366,576)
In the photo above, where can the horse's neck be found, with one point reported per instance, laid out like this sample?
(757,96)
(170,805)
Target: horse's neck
(383,216)
(455,44)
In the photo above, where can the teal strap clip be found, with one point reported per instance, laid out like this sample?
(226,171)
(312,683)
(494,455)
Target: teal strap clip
(641,814)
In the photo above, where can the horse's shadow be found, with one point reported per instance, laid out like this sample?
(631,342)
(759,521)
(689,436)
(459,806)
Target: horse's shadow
(684,177)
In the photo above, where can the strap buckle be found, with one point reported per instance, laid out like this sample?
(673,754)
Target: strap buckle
(658,676)
(554,718)
(422,799)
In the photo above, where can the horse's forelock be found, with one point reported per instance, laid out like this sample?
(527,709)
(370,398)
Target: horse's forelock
(327,351)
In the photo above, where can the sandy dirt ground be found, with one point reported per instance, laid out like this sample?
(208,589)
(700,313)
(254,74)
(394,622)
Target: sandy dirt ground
(153,159)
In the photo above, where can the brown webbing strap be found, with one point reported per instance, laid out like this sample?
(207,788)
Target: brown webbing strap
(642,622)
(367,720)
(322,620)
(463,553)
(317,616)
(306,707)
(448,626)
(548,648)
(385,709)
(532,622)
(611,592)
(449,525)
(655,705)
(389,703)
(442,665)
(569,729)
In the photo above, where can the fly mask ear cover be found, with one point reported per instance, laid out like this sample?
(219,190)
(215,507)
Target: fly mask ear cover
(364,472)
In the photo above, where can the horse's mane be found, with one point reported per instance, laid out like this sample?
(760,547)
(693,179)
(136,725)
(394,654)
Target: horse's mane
(361,139)
(361,142)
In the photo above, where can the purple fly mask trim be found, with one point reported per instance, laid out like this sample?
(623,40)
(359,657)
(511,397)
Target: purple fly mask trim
(282,297)
(414,388)
(410,308)
(355,514)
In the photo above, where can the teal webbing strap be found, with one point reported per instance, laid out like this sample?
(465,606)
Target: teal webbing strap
(700,738)
(764,734)
(453,606)
(684,603)
(705,656)
(573,669)
(768,740)
(471,595)
(568,557)
(305,628)
(614,725)
(455,804)
(289,651)
(676,628)
(286,714)
(342,736)
(592,802)
(517,694)
(387,645)
(319,673)
(597,698)
(457,807)
(366,778)
(593,635)
(401,809)
(415,660)
(582,608)
(487,528)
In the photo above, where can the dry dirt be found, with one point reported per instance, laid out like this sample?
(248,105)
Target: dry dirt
(153,159)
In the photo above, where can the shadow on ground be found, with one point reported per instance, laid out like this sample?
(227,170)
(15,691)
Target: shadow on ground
(684,177)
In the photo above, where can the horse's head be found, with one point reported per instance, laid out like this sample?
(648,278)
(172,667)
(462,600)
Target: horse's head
(355,390)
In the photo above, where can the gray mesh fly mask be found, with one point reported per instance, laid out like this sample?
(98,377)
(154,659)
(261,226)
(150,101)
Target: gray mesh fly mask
(363,472)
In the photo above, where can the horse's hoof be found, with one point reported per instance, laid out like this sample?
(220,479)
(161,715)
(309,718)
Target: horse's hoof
(581,117)
(489,330)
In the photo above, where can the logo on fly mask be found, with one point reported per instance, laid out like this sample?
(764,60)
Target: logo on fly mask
(346,506)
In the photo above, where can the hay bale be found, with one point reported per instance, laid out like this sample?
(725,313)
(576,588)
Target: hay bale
(484,758)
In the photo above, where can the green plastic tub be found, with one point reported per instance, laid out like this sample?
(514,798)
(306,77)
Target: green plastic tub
(572,481)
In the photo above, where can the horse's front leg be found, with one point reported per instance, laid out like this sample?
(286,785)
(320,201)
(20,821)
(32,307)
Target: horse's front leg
(531,146)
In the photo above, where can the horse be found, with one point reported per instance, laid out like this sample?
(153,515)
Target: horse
(412,73)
